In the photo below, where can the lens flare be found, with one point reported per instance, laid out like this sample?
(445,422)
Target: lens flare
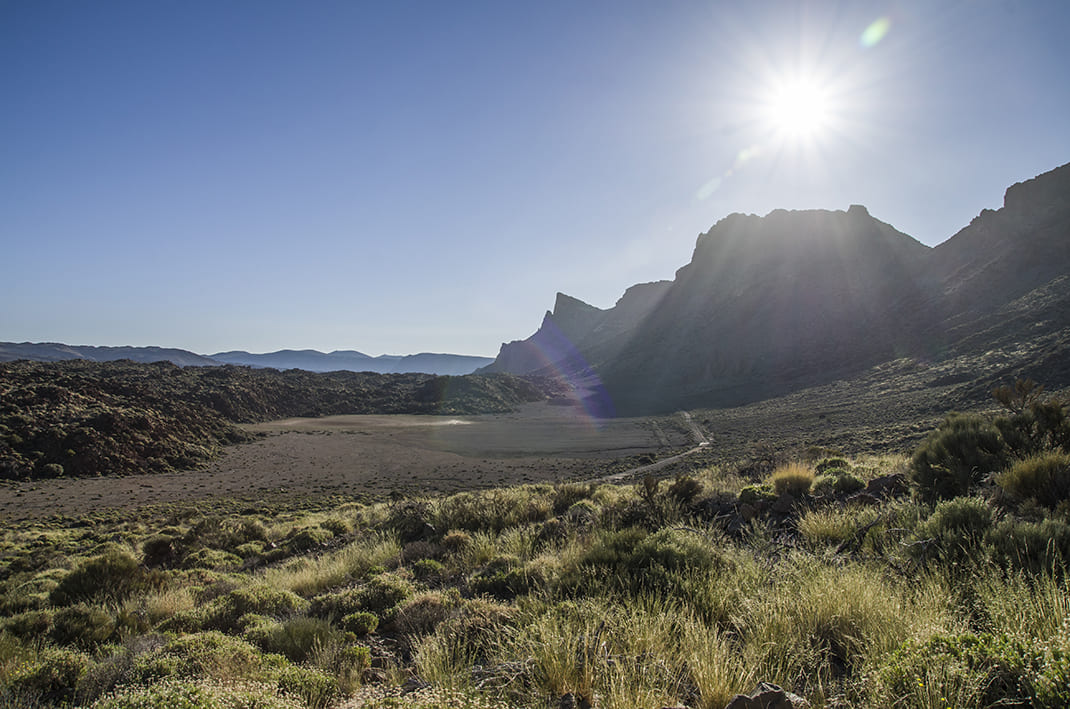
(875,32)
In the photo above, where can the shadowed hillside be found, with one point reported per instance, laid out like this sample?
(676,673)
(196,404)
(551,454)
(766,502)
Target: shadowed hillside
(770,305)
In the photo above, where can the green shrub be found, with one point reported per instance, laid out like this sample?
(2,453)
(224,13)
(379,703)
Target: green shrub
(836,481)
(427,569)
(956,457)
(337,527)
(306,540)
(979,670)
(225,533)
(29,624)
(83,626)
(753,494)
(294,638)
(1032,546)
(224,612)
(211,559)
(360,623)
(382,593)
(185,694)
(827,464)
(1043,478)
(503,577)
(160,550)
(1035,424)
(109,577)
(336,604)
(51,677)
(345,661)
(203,655)
(956,528)
(633,560)
(421,614)
(568,494)
(684,489)
(315,688)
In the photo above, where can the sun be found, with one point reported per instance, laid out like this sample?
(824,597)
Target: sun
(798,108)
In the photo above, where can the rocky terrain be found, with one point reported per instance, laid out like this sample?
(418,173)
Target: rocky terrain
(78,418)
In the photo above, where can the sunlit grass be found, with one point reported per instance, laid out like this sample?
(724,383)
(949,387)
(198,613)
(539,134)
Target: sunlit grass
(307,576)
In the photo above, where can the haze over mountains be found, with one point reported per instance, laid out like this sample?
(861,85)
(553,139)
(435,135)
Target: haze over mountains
(771,304)
(309,360)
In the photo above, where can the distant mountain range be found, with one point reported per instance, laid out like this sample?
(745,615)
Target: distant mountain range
(771,304)
(351,360)
(310,360)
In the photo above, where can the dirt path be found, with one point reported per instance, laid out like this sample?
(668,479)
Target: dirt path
(700,438)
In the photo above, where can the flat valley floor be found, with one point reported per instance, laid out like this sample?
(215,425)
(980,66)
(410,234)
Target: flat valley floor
(376,456)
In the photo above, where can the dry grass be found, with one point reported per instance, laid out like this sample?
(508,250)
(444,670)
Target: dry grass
(310,575)
(792,478)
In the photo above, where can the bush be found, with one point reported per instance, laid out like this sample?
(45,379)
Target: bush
(979,670)
(427,569)
(360,623)
(29,624)
(201,655)
(633,560)
(753,494)
(957,528)
(1043,478)
(421,614)
(383,593)
(83,626)
(315,688)
(295,638)
(160,550)
(224,612)
(1032,546)
(211,559)
(336,604)
(307,539)
(502,578)
(956,457)
(52,677)
(174,694)
(792,479)
(828,464)
(109,577)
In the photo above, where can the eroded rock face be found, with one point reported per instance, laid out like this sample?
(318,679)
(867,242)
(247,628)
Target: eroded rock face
(768,696)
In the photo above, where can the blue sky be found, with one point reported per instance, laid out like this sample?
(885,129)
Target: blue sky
(398,177)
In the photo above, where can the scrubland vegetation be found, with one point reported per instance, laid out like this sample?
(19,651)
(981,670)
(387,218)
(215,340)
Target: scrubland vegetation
(932,581)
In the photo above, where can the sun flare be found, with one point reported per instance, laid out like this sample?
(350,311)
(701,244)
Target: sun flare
(798,108)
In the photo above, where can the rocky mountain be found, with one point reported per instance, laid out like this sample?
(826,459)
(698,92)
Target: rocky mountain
(353,361)
(771,304)
(57,352)
(574,327)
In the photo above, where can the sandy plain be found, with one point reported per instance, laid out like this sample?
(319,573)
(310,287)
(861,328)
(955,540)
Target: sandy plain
(375,456)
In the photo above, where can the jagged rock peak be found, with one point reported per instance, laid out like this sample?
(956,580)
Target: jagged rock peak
(565,304)
(1050,189)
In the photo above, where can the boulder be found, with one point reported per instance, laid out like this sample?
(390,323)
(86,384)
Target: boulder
(768,696)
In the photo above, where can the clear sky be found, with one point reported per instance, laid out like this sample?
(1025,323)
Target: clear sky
(398,177)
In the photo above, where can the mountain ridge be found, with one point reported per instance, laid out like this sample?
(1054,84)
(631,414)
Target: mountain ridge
(307,359)
(794,298)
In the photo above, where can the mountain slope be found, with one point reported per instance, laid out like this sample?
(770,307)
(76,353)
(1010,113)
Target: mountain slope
(771,304)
